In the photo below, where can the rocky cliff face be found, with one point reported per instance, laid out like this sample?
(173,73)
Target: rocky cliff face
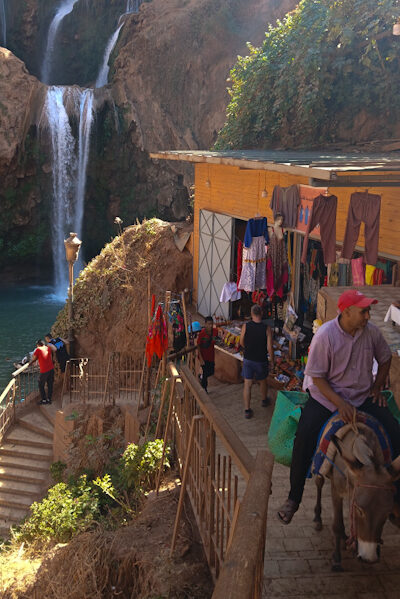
(173,60)
(167,90)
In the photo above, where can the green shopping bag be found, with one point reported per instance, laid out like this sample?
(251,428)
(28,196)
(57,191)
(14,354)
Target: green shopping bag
(284,423)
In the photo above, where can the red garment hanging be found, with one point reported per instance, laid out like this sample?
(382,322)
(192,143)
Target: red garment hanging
(157,338)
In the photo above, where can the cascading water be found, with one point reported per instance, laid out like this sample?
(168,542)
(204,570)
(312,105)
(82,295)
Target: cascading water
(3,24)
(86,115)
(64,172)
(70,159)
(102,77)
(64,9)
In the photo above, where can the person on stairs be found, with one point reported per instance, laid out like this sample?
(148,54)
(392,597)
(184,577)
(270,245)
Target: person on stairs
(256,338)
(44,355)
(206,344)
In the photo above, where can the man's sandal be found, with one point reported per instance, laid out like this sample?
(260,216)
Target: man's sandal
(287,511)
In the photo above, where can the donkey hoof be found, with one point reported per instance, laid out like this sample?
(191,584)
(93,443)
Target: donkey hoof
(337,568)
(318,526)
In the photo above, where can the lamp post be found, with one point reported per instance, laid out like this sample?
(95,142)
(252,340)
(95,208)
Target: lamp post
(72,245)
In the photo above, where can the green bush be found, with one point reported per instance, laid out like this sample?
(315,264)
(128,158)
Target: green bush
(65,511)
(316,71)
(72,507)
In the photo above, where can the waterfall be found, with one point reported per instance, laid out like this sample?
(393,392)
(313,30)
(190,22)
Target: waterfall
(64,171)
(64,9)
(86,115)
(102,77)
(3,24)
(69,165)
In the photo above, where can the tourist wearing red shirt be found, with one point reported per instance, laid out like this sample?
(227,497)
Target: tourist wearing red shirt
(206,342)
(44,355)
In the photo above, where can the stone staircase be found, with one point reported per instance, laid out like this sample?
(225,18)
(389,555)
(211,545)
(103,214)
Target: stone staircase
(25,457)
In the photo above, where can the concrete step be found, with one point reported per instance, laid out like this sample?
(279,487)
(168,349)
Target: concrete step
(11,514)
(21,436)
(37,423)
(17,488)
(49,412)
(33,453)
(20,463)
(21,474)
(21,502)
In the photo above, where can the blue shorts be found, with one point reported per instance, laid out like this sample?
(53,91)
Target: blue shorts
(254,370)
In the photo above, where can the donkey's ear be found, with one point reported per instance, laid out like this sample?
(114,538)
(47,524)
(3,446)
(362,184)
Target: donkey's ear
(353,463)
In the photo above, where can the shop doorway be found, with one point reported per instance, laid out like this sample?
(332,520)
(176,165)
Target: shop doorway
(215,261)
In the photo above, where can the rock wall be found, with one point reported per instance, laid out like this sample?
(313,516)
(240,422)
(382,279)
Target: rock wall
(167,90)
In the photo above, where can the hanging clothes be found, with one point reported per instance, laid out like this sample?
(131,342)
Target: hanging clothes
(278,264)
(157,338)
(358,272)
(239,261)
(369,274)
(343,275)
(323,213)
(256,227)
(378,276)
(230,293)
(364,207)
(286,201)
(333,275)
(253,275)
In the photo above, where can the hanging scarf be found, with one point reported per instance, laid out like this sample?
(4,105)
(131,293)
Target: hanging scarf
(157,338)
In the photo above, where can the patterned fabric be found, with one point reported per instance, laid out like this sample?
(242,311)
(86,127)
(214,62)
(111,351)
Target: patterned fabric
(378,277)
(357,271)
(369,274)
(254,272)
(326,450)
(277,254)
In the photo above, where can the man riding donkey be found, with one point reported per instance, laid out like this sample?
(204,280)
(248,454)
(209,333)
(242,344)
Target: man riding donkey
(339,377)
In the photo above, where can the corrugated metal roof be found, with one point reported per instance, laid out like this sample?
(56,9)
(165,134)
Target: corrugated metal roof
(320,164)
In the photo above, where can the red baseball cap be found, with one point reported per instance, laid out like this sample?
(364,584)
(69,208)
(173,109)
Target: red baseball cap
(353,297)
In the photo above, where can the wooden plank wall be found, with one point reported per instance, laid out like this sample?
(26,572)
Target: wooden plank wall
(237,192)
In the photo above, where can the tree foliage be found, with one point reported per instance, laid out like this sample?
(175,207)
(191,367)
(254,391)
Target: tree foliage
(318,69)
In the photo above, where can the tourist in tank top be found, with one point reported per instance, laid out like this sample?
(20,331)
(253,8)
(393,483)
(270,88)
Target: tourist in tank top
(256,339)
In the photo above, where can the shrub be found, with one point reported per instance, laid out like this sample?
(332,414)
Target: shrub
(65,511)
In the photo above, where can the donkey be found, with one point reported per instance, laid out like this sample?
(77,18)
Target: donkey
(359,474)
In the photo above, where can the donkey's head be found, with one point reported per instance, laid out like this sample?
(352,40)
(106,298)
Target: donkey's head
(371,494)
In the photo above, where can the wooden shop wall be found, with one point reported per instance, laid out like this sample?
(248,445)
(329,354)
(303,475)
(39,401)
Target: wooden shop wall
(237,192)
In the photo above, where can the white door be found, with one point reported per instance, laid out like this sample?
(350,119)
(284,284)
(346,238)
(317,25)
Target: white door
(215,259)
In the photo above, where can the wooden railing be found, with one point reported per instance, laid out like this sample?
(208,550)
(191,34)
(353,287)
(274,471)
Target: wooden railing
(122,378)
(7,408)
(228,488)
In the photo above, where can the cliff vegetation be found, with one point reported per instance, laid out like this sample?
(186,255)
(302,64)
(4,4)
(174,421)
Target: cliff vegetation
(328,72)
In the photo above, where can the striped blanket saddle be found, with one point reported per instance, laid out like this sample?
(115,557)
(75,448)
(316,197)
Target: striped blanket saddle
(324,457)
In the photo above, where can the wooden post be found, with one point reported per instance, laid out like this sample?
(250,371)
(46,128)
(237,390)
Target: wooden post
(163,396)
(184,480)
(185,317)
(167,305)
(107,379)
(171,403)
(149,314)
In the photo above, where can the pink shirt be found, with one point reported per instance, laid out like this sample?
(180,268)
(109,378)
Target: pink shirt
(344,361)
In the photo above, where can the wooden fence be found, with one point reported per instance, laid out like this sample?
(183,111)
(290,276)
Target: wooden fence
(228,488)
(123,378)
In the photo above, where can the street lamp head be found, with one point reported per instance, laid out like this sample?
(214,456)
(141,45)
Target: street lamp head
(72,245)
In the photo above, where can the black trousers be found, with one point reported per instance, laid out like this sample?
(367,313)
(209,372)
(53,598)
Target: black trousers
(208,370)
(313,416)
(46,377)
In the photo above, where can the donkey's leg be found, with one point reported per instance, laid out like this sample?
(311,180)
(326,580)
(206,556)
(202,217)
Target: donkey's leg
(338,529)
(319,481)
